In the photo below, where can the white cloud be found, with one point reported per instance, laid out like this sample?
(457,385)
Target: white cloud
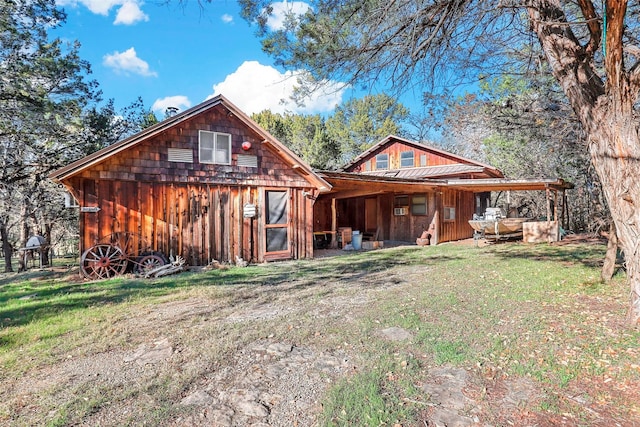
(226,18)
(284,8)
(129,11)
(254,87)
(128,62)
(180,102)
(100,7)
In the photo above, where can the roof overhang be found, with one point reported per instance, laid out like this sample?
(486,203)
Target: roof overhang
(348,185)
(503,184)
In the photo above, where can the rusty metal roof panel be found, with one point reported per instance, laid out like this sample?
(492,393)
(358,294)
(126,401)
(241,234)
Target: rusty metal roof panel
(428,171)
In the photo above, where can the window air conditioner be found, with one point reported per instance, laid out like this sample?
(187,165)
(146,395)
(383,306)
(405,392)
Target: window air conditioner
(399,211)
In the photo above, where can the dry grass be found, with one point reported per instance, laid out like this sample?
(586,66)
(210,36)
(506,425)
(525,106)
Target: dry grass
(502,312)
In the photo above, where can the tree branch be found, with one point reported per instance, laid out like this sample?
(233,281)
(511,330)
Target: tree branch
(614,60)
(569,61)
(593,23)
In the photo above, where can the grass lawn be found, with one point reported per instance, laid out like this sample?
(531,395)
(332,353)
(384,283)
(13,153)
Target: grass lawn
(504,312)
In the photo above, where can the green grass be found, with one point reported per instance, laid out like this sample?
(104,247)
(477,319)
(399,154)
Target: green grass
(523,311)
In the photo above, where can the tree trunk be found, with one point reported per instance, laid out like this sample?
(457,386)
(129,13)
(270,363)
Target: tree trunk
(24,222)
(615,150)
(609,265)
(605,109)
(47,236)
(7,250)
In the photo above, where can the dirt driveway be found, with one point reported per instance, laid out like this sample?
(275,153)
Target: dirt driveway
(260,354)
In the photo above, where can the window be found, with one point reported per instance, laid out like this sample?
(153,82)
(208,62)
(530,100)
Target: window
(449,213)
(406,159)
(367,165)
(423,160)
(400,201)
(419,205)
(276,221)
(382,161)
(215,147)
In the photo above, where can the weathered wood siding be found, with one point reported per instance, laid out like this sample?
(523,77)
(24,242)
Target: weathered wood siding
(200,222)
(194,210)
(351,213)
(464,204)
(394,150)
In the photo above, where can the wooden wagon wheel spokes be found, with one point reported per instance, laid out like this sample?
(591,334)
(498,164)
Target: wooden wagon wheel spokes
(103,262)
(148,261)
(124,240)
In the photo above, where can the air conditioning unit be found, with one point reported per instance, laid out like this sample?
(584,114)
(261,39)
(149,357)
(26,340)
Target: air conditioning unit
(399,211)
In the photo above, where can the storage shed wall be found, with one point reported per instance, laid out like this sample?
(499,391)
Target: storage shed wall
(199,222)
(464,204)
(190,208)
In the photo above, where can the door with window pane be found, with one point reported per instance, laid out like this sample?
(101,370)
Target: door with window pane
(276,222)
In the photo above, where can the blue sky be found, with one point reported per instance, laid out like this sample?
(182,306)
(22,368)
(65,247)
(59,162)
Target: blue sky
(178,56)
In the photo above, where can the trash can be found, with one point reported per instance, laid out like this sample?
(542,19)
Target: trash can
(356,240)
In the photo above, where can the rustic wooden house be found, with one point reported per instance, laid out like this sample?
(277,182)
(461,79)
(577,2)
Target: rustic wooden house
(398,189)
(206,184)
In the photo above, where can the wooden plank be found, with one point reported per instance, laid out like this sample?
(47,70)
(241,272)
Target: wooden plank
(215,222)
(204,213)
(260,238)
(193,215)
(145,201)
(246,226)
(309,226)
(172,219)
(183,222)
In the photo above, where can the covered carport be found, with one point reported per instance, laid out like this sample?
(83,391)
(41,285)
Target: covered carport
(371,205)
(557,212)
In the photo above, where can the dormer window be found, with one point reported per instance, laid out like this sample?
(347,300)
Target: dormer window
(406,159)
(382,161)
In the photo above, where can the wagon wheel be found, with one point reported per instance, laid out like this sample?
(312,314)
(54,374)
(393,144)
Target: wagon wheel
(103,261)
(126,241)
(148,261)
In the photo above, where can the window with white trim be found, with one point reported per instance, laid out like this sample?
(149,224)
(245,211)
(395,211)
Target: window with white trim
(215,147)
(382,161)
(406,159)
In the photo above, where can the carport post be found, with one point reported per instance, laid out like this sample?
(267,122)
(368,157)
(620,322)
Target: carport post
(334,223)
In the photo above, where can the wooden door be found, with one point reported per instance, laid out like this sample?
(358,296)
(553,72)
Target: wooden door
(370,215)
(276,224)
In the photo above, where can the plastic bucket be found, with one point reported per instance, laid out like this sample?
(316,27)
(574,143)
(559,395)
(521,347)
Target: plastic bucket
(356,241)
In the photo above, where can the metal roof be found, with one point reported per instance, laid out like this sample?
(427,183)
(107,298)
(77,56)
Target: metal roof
(357,184)
(428,171)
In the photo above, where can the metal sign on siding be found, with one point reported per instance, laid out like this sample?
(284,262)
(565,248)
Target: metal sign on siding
(91,209)
(249,210)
